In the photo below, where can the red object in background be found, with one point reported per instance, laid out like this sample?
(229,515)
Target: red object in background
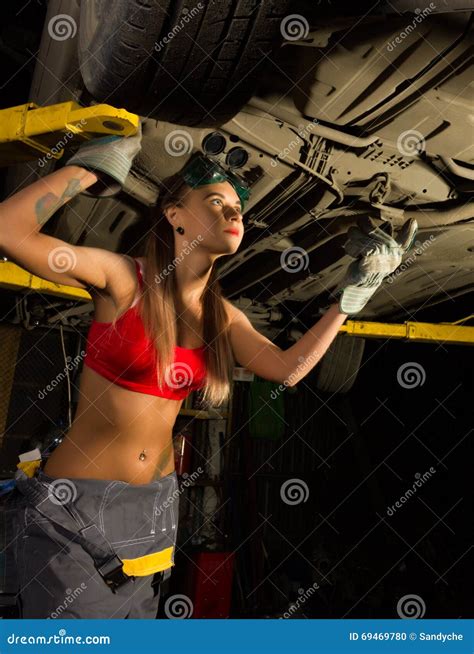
(182,451)
(210,584)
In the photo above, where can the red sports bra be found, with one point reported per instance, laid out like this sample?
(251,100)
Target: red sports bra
(127,357)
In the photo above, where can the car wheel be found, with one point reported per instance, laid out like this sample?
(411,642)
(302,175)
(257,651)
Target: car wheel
(337,370)
(189,63)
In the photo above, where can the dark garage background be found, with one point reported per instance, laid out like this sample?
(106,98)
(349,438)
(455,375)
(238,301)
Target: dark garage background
(356,455)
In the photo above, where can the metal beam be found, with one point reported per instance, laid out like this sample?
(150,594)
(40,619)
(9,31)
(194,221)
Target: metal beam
(412,331)
(29,131)
(13,277)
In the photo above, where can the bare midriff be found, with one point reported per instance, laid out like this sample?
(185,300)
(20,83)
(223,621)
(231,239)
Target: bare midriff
(112,427)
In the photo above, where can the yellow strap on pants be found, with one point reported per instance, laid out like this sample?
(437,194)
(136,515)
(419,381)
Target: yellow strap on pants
(139,567)
(149,564)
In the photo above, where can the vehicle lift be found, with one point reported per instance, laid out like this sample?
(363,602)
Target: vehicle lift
(28,131)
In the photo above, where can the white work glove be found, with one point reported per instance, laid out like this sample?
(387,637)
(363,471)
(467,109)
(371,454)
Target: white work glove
(377,255)
(111,157)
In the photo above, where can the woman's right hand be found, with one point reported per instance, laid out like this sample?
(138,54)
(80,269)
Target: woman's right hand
(110,157)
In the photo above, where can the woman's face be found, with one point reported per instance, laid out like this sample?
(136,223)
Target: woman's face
(206,214)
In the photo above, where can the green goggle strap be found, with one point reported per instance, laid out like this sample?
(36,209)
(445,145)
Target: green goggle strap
(202,172)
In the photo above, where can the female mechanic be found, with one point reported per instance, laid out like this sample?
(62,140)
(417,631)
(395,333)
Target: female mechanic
(97,526)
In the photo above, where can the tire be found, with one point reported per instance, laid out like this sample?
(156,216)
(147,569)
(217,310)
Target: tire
(200,77)
(337,370)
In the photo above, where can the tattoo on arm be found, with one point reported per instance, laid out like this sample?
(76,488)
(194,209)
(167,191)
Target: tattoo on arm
(73,188)
(45,207)
(48,204)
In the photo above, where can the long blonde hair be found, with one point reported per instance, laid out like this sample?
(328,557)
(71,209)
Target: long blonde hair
(158,311)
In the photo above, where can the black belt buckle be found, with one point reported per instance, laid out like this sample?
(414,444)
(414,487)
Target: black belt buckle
(8,599)
(113,574)
(157,578)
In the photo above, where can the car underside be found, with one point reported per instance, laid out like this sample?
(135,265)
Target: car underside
(351,115)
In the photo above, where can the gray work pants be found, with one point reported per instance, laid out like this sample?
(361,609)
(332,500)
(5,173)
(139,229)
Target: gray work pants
(57,577)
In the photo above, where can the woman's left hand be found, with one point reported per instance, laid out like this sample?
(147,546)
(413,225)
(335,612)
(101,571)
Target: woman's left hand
(377,255)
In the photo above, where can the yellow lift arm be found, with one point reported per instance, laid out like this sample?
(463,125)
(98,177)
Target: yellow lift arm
(446,332)
(13,277)
(30,132)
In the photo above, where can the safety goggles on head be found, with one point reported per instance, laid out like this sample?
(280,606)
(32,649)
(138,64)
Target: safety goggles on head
(202,170)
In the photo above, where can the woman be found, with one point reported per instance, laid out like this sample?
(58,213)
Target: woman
(98,526)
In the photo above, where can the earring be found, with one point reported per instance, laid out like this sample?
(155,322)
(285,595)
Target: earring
(180,230)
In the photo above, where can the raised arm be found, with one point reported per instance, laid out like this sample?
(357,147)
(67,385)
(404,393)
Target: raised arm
(102,164)
(377,253)
(257,353)
(23,215)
